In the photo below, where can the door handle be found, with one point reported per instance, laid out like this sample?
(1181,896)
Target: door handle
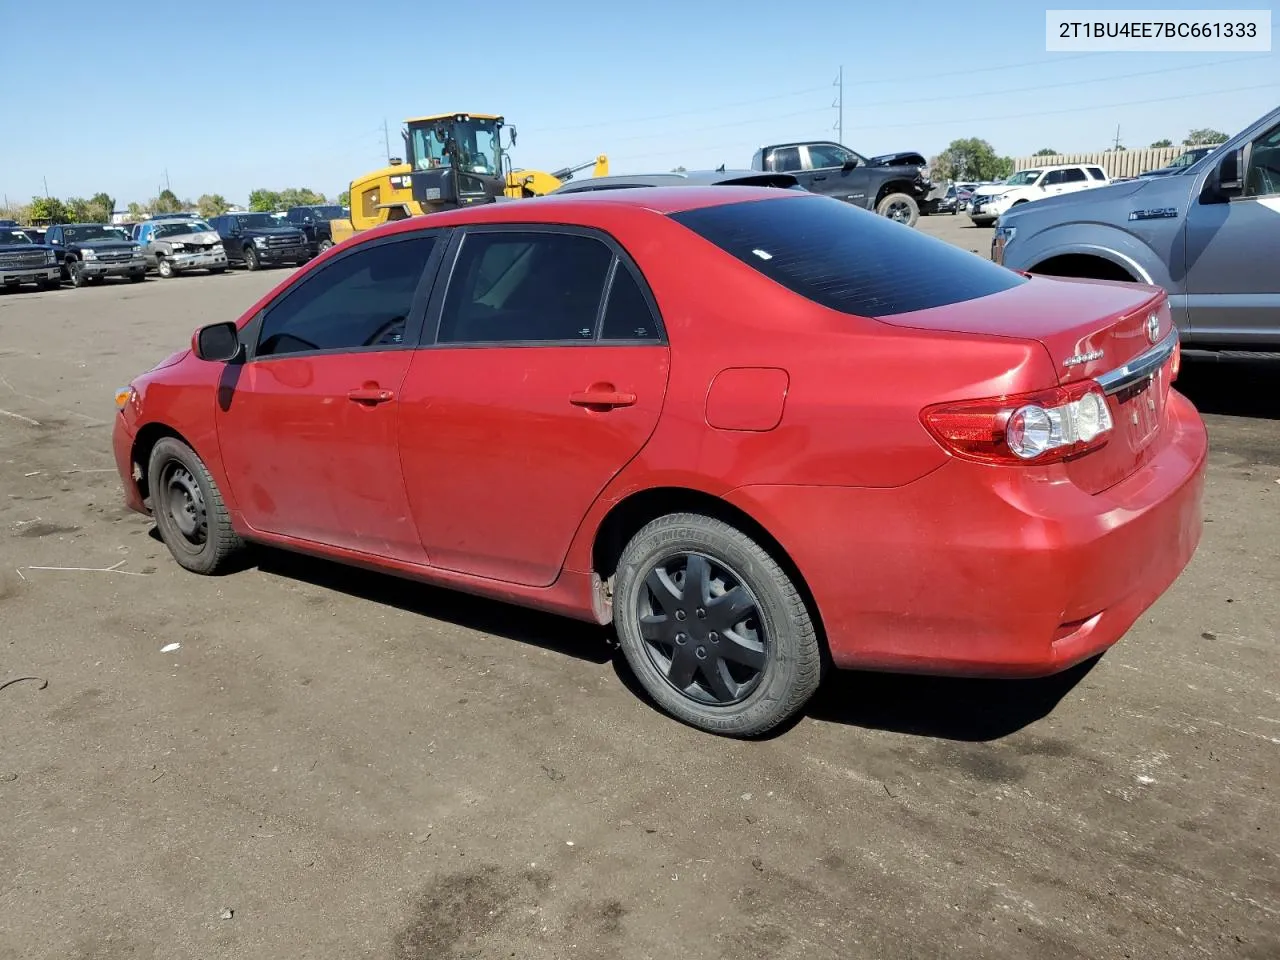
(602,398)
(816,179)
(370,395)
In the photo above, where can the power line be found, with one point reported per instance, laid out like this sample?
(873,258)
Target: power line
(1005,91)
(967,72)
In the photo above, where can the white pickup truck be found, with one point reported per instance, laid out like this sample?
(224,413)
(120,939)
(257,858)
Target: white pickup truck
(991,201)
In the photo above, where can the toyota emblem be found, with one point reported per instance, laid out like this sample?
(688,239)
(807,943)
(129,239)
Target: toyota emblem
(1153,327)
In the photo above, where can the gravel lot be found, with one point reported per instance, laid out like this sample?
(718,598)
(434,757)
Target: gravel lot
(355,766)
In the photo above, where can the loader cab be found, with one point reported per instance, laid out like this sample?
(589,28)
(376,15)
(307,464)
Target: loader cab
(455,159)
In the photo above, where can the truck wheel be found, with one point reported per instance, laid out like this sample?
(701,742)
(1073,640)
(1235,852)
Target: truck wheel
(75,270)
(165,267)
(900,207)
(251,260)
(324,245)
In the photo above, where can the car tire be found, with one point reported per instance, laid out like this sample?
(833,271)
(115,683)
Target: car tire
(164,267)
(324,245)
(75,271)
(746,674)
(901,207)
(190,516)
(251,261)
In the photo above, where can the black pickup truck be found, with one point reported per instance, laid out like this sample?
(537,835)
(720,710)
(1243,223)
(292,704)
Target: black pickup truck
(893,185)
(258,240)
(22,261)
(91,252)
(314,222)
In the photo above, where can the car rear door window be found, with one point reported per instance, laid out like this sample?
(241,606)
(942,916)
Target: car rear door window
(627,313)
(785,159)
(358,301)
(846,258)
(1096,173)
(1073,175)
(525,287)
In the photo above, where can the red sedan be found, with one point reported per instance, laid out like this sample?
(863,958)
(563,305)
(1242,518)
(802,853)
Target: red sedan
(758,430)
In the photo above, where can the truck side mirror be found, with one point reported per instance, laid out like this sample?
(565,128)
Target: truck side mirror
(848,165)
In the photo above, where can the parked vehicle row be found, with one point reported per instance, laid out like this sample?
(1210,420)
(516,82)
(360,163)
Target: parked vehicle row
(1025,186)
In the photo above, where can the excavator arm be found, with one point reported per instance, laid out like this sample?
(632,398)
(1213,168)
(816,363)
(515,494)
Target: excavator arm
(536,183)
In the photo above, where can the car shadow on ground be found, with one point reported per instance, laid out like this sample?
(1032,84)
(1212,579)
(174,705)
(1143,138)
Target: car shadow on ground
(1231,388)
(946,708)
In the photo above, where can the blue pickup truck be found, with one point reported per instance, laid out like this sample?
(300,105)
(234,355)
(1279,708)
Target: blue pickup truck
(22,261)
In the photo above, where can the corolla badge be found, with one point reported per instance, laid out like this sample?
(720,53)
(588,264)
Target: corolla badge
(1153,327)
(1082,358)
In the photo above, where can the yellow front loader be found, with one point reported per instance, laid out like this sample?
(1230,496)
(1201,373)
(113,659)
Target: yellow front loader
(451,160)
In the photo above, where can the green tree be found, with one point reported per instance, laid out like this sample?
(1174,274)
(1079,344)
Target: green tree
(78,210)
(264,200)
(212,204)
(970,159)
(1203,136)
(20,212)
(299,197)
(49,209)
(136,210)
(1159,144)
(1046,152)
(678,170)
(167,202)
(102,206)
(344,198)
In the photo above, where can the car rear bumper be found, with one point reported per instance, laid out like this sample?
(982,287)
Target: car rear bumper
(991,571)
(29,274)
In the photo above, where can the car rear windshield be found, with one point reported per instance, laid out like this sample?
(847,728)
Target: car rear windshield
(13,236)
(846,258)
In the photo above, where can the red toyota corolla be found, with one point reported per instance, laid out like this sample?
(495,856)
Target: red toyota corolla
(751,427)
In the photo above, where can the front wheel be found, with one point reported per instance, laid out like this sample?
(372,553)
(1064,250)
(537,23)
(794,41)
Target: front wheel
(75,269)
(324,245)
(165,267)
(713,628)
(192,520)
(251,260)
(900,207)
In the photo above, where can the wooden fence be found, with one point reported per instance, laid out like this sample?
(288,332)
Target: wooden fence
(1122,163)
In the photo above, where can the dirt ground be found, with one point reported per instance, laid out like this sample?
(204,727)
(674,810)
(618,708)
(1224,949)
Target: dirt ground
(355,766)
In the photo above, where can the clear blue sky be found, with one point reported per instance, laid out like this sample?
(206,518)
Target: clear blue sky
(232,96)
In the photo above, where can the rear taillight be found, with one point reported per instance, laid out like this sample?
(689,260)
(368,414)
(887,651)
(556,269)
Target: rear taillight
(1175,362)
(1042,427)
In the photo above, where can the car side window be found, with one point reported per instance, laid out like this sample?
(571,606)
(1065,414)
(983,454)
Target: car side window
(1052,178)
(1263,178)
(144,235)
(1096,173)
(784,160)
(627,315)
(825,155)
(358,301)
(1074,175)
(525,287)
(54,235)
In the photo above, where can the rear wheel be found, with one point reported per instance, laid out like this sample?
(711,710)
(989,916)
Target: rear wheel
(251,260)
(900,207)
(713,628)
(192,520)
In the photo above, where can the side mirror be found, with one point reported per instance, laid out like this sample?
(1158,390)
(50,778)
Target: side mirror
(1231,173)
(848,165)
(218,343)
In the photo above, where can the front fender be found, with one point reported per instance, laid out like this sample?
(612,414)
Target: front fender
(1098,240)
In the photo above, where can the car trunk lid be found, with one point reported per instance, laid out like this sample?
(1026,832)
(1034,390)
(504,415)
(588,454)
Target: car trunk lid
(1120,335)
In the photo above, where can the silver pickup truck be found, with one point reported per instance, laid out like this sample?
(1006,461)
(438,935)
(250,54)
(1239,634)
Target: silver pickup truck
(1209,234)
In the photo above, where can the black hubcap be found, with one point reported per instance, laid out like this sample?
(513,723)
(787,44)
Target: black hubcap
(702,629)
(899,211)
(184,504)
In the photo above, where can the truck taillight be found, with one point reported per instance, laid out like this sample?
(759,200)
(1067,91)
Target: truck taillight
(1042,427)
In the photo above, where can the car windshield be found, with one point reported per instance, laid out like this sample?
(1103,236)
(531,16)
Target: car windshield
(1190,157)
(13,236)
(846,258)
(256,221)
(93,231)
(181,227)
(1023,178)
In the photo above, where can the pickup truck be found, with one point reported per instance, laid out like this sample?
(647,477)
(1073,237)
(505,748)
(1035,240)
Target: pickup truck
(314,222)
(893,185)
(22,261)
(91,252)
(258,240)
(178,244)
(1208,233)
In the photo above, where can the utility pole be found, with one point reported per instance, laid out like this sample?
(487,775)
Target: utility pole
(1117,143)
(386,140)
(46,187)
(166,180)
(839,104)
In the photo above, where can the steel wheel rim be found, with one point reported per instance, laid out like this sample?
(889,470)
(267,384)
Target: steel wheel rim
(701,629)
(184,506)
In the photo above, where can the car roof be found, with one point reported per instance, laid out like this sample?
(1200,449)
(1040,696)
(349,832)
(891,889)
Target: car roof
(684,178)
(589,205)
